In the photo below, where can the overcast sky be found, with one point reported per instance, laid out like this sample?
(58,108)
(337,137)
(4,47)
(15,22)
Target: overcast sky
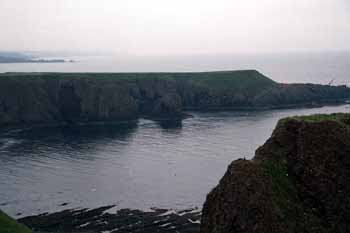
(174,27)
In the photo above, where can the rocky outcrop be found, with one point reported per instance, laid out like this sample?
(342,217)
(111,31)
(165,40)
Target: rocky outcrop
(298,181)
(30,98)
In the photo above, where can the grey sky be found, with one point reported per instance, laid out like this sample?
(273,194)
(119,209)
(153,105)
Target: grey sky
(175,27)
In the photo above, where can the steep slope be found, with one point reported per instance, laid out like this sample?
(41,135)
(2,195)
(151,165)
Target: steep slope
(30,98)
(9,225)
(298,181)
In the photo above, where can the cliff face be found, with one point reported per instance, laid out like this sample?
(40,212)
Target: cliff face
(48,99)
(298,181)
(30,98)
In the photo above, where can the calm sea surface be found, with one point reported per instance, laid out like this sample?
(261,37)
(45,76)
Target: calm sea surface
(144,164)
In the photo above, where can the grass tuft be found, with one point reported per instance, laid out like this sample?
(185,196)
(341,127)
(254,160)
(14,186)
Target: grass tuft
(343,118)
(9,225)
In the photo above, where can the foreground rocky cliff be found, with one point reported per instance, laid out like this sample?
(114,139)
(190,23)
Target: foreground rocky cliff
(28,98)
(298,181)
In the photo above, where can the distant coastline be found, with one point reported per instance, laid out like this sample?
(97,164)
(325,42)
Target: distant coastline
(14,57)
(23,60)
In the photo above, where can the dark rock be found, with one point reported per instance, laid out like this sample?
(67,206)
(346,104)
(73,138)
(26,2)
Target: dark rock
(123,221)
(64,204)
(69,103)
(168,106)
(298,181)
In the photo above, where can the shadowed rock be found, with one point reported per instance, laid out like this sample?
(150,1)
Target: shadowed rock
(69,103)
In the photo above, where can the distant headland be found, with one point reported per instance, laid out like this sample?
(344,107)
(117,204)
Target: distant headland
(15,57)
(51,98)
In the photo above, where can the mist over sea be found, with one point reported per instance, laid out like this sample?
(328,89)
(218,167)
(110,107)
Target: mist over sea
(313,67)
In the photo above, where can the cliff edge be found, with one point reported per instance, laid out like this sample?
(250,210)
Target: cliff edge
(298,181)
(9,225)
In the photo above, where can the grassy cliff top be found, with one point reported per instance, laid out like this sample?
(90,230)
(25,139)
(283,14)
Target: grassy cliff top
(338,117)
(9,225)
(223,79)
(130,74)
(250,80)
(236,75)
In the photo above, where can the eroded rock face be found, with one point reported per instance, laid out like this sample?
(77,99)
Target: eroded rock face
(298,181)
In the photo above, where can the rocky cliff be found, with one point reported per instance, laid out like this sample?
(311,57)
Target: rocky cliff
(28,98)
(298,181)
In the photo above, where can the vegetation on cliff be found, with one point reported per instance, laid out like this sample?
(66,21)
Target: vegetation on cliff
(298,181)
(343,118)
(9,225)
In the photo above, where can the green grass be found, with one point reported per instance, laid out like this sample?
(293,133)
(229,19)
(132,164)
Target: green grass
(220,83)
(239,77)
(239,80)
(9,225)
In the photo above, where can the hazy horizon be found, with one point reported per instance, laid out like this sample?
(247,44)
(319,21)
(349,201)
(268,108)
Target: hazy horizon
(181,28)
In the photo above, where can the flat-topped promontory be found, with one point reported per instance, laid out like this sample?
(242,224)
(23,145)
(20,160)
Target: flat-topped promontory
(42,98)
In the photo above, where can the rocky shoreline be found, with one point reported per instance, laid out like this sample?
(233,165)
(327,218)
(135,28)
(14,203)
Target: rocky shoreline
(105,219)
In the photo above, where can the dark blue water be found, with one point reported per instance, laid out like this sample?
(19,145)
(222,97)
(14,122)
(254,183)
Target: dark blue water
(142,165)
